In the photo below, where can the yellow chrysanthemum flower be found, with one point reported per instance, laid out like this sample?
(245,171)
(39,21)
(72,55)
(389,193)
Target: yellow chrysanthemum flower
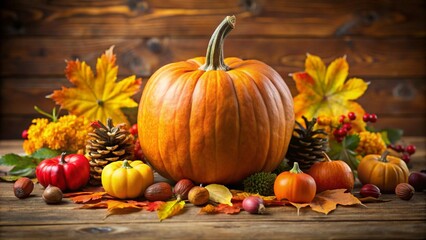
(68,133)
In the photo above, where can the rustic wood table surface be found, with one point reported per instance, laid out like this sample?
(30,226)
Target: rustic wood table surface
(31,218)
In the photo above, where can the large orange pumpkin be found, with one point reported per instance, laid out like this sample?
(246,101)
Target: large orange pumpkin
(215,120)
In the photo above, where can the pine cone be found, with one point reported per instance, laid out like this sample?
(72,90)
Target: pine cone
(107,144)
(306,144)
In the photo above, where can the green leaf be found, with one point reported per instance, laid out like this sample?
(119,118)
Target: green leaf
(23,165)
(393,134)
(9,178)
(351,142)
(344,152)
(45,153)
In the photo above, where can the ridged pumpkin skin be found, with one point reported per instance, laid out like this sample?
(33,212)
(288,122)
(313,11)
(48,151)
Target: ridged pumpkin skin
(386,172)
(215,126)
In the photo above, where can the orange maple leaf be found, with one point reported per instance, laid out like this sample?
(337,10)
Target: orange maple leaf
(101,96)
(222,208)
(327,201)
(324,91)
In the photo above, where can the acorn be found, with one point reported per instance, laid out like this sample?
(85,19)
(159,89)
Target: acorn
(23,187)
(52,195)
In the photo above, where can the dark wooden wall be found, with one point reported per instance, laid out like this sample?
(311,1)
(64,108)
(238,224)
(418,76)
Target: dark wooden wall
(384,42)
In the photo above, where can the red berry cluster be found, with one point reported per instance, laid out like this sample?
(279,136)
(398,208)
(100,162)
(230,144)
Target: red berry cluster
(138,154)
(344,127)
(406,151)
(369,117)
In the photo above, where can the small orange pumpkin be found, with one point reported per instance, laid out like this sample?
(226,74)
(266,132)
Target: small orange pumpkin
(295,186)
(331,175)
(215,120)
(384,171)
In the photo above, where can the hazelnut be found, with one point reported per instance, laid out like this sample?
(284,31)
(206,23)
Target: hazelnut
(23,187)
(160,191)
(404,191)
(182,188)
(52,195)
(198,195)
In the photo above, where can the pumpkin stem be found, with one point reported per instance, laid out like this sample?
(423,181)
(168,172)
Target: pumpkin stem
(62,159)
(296,168)
(214,55)
(126,164)
(383,158)
(327,158)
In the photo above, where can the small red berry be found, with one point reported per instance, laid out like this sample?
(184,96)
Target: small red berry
(351,115)
(339,138)
(410,149)
(342,132)
(406,158)
(373,118)
(399,148)
(25,134)
(134,129)
(347,126)
(366,117)
(342,118)
(95,124)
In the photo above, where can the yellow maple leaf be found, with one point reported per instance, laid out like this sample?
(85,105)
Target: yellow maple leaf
(101,96)
(324,91)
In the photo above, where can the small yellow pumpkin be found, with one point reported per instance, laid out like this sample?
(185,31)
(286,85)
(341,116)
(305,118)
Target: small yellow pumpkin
(384,171)
(127,179)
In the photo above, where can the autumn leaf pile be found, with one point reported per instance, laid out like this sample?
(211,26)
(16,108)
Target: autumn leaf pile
(324,202)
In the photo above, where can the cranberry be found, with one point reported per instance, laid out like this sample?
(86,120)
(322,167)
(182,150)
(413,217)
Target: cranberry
(406,158)
(347,126)
(342,118)
(373,118)
(351,115)
(134,129)
(366,117)
(410,149)
(399,148)
(25,134)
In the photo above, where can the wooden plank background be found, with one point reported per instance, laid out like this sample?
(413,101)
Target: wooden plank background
(384,42)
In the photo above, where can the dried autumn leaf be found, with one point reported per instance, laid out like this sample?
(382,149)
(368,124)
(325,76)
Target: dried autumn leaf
(240,195)
(114,207)
(219,193)
(373,200)
(299,206)
(327,201)
(97,97)
(324,92)
(221,208)
(147,205)
(170,208)
(88,197)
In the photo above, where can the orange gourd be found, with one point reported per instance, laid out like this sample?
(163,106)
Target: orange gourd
(384,171)
(215,120)
(295,186)
(331,175)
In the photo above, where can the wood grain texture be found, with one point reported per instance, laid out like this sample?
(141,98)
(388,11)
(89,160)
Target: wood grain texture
(366,57)
(31,218)
(384,42)
(176,18)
